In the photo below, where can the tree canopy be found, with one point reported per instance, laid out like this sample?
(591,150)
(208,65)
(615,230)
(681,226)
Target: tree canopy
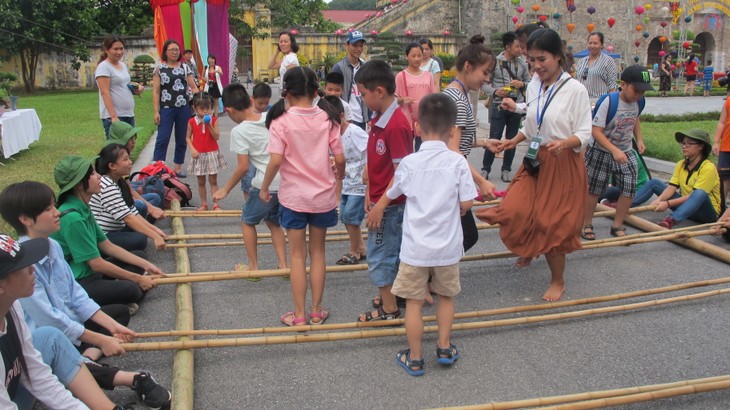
(352,5)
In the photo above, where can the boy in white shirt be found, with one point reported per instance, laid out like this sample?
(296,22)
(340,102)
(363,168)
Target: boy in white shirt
(249,140)
(439,189)
(352,198)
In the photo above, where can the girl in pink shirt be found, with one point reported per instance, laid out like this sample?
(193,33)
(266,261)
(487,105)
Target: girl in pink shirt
(301,139)
(411,85)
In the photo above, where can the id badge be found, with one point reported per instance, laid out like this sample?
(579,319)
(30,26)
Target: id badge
(534,147)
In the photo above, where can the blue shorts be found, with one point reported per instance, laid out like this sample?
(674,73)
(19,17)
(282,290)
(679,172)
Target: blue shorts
(255,210)
(290,219)
(384,247)
(352,209)
(723,165)
(246,181)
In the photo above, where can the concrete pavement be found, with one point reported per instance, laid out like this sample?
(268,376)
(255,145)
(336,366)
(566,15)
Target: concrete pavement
(655,345)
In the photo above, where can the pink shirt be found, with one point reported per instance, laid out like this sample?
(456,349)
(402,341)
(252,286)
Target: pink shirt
(305,137)
(414,87)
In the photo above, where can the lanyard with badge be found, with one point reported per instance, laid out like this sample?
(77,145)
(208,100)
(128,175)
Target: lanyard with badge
(537,139)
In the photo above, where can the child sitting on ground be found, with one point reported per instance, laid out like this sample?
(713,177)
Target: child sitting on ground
(202,138)
(249,140)
(352,200)
(431,179)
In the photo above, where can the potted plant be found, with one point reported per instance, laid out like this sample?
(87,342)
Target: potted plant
(6,82)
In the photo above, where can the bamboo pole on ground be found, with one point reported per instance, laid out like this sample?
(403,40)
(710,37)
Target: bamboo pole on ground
(458,315)
(183,367)
(697,245)
(366,334)
(480,226)
(264,241)
(594,395)
(233,275)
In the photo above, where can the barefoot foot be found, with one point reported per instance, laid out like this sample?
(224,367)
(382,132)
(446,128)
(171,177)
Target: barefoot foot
(554,292)
(523,262)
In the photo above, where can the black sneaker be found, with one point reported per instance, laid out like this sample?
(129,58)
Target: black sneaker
(149,392)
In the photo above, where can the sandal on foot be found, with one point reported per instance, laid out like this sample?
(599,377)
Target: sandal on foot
(348,259)
(320,316)
(588,235)
(382,315)
(202,208)
(615,232)
(412,367)
(289,319)
(447,356)
(242,268)
(216,207)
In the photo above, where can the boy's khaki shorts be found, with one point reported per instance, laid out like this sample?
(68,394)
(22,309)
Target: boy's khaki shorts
(412,281)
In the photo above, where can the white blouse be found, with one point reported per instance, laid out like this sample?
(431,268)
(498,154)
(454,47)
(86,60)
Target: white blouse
(568,114)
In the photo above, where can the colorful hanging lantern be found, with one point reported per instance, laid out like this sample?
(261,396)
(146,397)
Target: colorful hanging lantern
(556,16)
(570,27)
(535,7)
(515,2)
(294,31)
(646,34)
(409,33)
(515,19)
(636,59)
(662,53)
(638,27)
(446,32)
(591,10)
(520,9)
(637,43)
(374,32)
(611,21)
(543,18)
(688,19)
(639,10)
(339,32)
(687,44)
(663,24)
(662,39)
(590,27)
(647,6)
(609,49)
(647,20)
(571,8)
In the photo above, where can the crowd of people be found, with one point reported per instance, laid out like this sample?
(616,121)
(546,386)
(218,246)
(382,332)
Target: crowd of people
(372,145)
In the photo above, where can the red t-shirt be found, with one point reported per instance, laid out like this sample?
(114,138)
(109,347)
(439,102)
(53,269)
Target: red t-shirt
(387,146)
(691,67)
(203,141)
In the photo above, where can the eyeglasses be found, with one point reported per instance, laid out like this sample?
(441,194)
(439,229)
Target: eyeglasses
(688,143)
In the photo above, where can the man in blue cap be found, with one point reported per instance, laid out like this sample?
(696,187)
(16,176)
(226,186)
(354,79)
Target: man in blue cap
(348,66)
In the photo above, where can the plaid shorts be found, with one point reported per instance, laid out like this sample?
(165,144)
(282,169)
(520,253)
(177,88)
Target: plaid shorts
(600,167)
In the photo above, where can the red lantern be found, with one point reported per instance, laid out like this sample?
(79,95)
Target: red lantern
(543,18)
(409,33)
(611,21)
(687,44)
(637,43)
(663,24)
(515,19)
(446,33)
(374,32)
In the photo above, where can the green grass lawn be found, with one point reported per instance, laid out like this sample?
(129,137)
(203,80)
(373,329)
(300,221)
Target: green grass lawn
(71,126)
(659,137)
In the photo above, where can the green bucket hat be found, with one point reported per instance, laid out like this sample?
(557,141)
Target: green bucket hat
(70,171)
(120,132)
(695,134)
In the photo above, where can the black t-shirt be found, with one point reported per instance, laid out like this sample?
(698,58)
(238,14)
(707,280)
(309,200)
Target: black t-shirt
(11,356)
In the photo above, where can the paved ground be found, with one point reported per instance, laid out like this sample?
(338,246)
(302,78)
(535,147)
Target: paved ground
(657,345)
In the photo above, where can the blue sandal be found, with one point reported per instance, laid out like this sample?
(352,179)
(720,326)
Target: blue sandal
(412,367)
(447,356)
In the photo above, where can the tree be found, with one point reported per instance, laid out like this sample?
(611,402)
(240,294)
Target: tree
(34,26)
(286,14)
(352,5)
(125,17)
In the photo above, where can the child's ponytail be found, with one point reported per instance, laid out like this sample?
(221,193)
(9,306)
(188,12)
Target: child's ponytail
(332,114)
(276,111)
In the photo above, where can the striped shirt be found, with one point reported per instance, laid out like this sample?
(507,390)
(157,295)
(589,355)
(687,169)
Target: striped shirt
(464,119)
(599,78)
(109,208)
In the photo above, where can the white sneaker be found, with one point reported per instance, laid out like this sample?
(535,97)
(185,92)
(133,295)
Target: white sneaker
(506,176)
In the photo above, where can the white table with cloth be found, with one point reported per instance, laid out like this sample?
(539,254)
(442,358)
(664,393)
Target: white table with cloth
(18,129)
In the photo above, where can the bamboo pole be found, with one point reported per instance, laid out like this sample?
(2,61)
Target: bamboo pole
(480,226)
(697,245)
(183,368)
(233,275)
(576,397)
(264,241)
(458,315)
(366,334)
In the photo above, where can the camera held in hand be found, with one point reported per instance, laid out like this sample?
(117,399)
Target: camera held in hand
(722,81)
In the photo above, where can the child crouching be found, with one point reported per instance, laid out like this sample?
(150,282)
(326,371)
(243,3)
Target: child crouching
(438,188)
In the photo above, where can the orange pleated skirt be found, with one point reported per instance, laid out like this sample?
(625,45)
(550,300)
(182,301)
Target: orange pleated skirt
(543,214)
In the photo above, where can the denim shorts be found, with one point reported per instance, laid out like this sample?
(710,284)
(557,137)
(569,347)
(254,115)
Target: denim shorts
(255,210)
(290,219)
(246,181)
(384,247)
(352,209)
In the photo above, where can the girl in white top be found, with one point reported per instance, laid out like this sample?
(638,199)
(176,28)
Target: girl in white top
(116,92)
(542,211)
(288,47)
(428,63)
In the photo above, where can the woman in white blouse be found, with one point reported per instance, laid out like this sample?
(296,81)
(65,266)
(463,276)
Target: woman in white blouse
(429,62)
(288,48)
(541,214)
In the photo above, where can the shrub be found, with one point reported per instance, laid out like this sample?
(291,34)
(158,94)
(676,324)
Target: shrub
(142,69)
(447,59)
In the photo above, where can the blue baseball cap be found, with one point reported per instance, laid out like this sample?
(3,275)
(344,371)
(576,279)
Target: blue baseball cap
(354,37)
